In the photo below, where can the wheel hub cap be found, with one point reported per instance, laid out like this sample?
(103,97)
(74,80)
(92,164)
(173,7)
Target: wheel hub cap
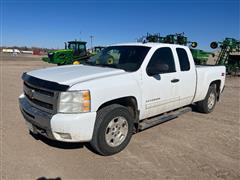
(211,101)
(116,131)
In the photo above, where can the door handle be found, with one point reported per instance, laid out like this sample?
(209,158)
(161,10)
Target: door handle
(175,80)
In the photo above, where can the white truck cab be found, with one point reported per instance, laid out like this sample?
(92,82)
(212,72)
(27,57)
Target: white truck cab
(124,89)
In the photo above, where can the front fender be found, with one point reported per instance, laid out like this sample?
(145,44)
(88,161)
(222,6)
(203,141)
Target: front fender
(111,88)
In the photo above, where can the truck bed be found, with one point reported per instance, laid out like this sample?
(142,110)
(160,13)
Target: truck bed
(205,75)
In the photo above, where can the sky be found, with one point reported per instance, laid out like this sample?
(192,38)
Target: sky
(49,23)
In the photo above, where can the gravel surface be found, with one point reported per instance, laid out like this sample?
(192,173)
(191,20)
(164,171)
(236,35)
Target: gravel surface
(193,146)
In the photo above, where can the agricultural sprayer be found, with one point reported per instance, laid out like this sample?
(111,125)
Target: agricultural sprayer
(199,56)
(229,54)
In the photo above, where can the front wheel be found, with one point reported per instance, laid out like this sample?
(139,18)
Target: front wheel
(113,130)
(207,105)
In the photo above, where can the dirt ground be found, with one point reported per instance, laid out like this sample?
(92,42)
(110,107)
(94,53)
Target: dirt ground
(193,146)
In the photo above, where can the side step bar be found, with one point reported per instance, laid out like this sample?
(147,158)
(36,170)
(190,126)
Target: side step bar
(147,123)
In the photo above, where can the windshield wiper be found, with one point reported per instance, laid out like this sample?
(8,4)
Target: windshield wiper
(90,63)
(111,66)
(108,65)
(103,65)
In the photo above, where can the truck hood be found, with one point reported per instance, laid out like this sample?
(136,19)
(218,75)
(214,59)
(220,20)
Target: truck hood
(72,74)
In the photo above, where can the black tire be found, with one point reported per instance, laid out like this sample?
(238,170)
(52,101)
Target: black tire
(203,106)
(104,117)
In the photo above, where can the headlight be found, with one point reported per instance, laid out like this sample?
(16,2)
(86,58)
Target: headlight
(74,102)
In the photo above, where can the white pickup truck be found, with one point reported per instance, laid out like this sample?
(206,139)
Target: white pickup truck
(124,89)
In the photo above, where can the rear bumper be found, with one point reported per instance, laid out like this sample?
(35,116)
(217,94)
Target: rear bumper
(62,127)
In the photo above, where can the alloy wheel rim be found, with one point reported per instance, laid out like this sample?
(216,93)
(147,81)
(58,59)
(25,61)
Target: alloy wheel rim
(211,101)
(116,131)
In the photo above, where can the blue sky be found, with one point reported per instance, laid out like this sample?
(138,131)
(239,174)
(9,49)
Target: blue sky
(49,23)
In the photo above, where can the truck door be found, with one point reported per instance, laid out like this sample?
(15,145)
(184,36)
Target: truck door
(187,76)
(160,83)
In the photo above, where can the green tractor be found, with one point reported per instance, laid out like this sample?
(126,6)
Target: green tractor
(97,49)
(229,54)
(75,52)
(199,56)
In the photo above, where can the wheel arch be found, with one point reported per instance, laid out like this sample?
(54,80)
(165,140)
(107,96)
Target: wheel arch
(217,83)
(130,102)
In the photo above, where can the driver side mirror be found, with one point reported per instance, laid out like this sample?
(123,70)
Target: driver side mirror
(157,69)
(152,71)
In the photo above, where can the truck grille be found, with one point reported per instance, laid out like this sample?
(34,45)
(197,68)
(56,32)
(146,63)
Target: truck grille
(42,99)
(42,94)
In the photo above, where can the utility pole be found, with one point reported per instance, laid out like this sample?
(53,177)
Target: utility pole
(91,37)
(80,35)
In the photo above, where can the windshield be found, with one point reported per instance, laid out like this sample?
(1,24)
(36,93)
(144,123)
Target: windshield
(128,58)
(77,47)
(72,46)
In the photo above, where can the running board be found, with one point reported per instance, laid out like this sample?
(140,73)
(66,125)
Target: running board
(147,123)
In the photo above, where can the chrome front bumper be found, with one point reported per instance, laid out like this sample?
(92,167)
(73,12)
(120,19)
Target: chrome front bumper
(61,127)
(40,120)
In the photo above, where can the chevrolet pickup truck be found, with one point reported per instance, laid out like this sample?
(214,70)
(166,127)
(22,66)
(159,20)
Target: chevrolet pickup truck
(124,89)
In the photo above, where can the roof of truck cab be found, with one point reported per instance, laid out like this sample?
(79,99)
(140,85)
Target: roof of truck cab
(149,44)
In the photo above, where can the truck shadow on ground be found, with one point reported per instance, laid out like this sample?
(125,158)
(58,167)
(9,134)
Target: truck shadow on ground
(44,178)
(57,144)
(66,145)
(194,108)
(62,145)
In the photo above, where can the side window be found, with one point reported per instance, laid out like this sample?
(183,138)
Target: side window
(183,59)
(162,61)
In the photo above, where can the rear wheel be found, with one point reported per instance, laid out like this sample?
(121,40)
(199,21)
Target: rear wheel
(76,62)
(207,105)
(113,130)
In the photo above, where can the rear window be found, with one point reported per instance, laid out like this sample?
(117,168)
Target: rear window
(183,59)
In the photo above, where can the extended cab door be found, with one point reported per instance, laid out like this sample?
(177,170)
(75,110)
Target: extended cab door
(160,83)
(187,76)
